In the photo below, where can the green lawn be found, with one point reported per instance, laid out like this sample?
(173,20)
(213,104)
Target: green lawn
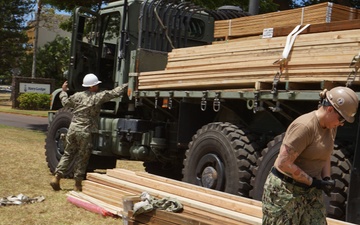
(24,171)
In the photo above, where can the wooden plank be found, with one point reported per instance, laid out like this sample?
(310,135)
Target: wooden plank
(198,188)
(318,28)
(230,204)
(153,219)
(230,83)
(125,185)
(313,39)
(104,195)
(259,55)
(193,213)
(212,218)
(251,72)
(248,77)
(114,210)
(134,223)
(315,14)
(188,210)
(169,217)
(208,70)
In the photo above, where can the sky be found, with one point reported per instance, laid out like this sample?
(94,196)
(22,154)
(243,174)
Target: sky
(31,16)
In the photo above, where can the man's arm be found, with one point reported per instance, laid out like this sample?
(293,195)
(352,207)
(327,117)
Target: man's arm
(65,100)
(107,95)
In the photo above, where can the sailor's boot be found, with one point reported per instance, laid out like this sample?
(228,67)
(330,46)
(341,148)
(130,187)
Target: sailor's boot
(78,184)
(55,182)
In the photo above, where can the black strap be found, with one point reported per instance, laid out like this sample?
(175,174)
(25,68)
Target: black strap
(287,179)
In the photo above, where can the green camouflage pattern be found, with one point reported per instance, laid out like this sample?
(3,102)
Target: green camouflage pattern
(78,150)
(286,204)
(78,143)
(86,107)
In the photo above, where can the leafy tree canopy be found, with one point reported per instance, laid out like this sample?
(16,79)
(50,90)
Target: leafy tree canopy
(69,5)
(51,62)
(13,37)
(265,5)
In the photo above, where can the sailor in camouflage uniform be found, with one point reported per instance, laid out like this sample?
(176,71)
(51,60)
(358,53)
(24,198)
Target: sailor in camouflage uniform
(293,189)
(86,110)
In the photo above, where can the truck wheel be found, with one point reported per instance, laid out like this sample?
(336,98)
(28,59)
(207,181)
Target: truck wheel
(265,163)
(221,157)
(54,142)
(340,172)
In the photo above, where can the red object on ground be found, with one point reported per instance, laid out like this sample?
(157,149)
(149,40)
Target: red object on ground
(88,206)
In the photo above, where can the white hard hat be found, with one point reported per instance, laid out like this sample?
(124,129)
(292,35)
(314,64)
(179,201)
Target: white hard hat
(90,80)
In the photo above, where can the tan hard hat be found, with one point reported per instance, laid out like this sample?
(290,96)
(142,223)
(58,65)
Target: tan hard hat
(345,101)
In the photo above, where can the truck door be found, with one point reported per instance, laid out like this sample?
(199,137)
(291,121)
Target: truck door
(84,46)
(353,199)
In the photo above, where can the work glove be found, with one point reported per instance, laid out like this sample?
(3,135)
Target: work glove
(326,184)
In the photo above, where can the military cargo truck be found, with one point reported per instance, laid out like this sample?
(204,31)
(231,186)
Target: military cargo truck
(221,137)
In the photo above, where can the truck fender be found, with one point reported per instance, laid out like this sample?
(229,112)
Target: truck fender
(55,100)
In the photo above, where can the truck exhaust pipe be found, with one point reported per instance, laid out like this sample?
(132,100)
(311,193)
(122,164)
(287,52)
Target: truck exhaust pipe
(254,7)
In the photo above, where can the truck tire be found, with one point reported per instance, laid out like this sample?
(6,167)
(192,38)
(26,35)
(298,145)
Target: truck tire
(264,165)
(340,172)
(54,144)
(221,157)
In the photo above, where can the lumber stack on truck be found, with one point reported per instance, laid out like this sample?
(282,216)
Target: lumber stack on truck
(247,63)
(321,53)
(254,25)
(110,193)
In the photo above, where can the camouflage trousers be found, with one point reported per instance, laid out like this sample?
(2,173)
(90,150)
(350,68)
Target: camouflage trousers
(77,150)
(286,204)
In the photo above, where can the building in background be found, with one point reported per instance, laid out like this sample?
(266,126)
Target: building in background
(48,29)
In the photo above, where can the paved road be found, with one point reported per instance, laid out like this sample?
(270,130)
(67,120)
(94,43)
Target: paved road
(22,121)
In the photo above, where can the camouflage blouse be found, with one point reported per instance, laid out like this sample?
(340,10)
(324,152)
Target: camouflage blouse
(86,107)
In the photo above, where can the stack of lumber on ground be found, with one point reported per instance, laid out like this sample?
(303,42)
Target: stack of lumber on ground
(201,205)
(247,63)
(254,25)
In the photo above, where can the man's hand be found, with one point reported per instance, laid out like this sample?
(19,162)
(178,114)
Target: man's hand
(125,85)
(65,86)
(327,185)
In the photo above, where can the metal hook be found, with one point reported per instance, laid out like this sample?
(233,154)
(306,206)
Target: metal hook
(203,101)
(216,104)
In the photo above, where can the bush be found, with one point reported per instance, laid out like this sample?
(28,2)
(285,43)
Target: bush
(34,101)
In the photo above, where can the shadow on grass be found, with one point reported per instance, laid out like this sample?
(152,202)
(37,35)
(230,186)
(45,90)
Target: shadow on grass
(38,127)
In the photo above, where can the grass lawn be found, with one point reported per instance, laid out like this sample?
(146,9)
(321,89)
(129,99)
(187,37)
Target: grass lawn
(24,171)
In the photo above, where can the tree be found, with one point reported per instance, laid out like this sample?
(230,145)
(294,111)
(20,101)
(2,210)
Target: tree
(69,5)
(265,5)
(52,60)
(13,39)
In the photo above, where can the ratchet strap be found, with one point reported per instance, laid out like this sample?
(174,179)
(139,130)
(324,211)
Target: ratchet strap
(290,39)
(355,63)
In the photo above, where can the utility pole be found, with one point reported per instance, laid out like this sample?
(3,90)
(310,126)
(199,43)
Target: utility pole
(36,35)
(254,7)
